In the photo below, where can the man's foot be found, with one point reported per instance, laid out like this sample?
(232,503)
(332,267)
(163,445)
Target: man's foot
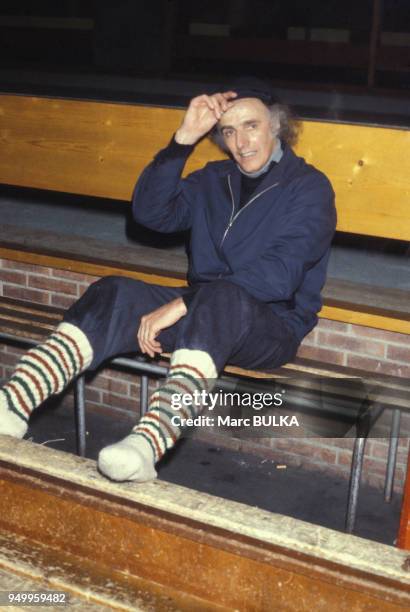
(130,459)
(10,423)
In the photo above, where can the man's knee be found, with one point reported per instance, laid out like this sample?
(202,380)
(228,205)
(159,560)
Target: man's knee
(101,298)
(222,290)
(225,300)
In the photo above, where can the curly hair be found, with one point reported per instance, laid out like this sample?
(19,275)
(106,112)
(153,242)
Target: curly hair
(289,126)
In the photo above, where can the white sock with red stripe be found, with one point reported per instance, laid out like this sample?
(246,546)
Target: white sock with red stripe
(41,372)
(134,457)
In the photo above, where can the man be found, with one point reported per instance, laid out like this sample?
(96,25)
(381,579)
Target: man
(261,224)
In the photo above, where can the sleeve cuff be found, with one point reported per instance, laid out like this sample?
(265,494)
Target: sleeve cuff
(175,150)
(188,297)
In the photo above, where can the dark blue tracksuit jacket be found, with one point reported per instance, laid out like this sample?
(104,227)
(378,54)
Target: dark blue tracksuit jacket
(276,246)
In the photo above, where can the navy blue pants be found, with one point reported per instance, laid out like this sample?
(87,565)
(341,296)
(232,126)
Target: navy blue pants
(223,319)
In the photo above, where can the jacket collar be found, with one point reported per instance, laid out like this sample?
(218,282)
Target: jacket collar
(279,173)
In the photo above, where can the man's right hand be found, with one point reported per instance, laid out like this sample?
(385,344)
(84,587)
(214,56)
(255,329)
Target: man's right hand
(202,114)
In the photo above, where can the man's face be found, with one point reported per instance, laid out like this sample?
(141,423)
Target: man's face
(247,131)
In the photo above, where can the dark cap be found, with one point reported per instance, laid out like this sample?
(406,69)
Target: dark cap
(251,87)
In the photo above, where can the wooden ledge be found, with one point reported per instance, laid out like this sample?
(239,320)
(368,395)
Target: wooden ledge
(187,540)
(335,310)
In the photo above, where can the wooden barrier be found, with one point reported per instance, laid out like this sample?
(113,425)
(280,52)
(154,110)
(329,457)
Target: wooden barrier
(172,548)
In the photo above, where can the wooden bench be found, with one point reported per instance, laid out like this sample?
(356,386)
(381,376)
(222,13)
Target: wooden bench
(98,149)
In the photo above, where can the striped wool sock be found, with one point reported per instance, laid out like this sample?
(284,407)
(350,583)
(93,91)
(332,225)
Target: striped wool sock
(134,457)
(41,372)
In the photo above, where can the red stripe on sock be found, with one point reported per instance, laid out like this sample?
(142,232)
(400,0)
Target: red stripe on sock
(23,404)
(151,435)
(77,350)
(62,357)
(164,424)
(33,379)
(47,367)
(188,367)
(177,382)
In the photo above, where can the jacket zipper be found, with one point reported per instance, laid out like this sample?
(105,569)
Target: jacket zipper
(233,216)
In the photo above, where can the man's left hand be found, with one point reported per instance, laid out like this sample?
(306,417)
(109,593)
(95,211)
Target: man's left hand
(154,322)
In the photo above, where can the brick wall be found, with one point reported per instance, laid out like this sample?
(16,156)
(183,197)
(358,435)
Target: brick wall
(331,342)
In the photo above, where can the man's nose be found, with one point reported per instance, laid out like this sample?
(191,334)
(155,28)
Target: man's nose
(241,140)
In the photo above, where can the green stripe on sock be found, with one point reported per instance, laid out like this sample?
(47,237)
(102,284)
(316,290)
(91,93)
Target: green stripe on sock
(148,439)
(150,423)
(68,350)
(153,401)
(42,349)
(183,374)
(11,406)
(26,361)
(163,390)
(17,378)
(166,412)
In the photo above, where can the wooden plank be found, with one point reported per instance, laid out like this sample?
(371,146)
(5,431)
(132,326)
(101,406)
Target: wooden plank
(219,551)
(99,149)
(18,306)
(357,315)
(84,267)
(366,316)
(25,330)
(334,313)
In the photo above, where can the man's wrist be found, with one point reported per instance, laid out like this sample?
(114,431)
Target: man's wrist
(179,302)
(185,138)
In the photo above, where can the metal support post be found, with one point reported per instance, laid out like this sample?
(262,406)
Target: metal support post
(79,404)
(392,456)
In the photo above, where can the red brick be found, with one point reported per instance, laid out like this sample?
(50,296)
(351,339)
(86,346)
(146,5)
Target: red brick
(15,349)
(109,384)
(344,458)
(373,466)
(343,443)
(311,338)
(62,301)
(75,276)
(12,276)
(82,289)
(17,265)
(380,334)
(398,353)
(404,443)
(92,395)
(127,376)
(375,365)
(20,293)
(9,360)
(119,401)
(321,354)
(378,449)
(348,343)
(336,326)
(51,284)
(307,449)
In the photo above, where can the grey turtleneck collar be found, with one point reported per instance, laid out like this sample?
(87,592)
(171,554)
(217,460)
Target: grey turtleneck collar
(276,157)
